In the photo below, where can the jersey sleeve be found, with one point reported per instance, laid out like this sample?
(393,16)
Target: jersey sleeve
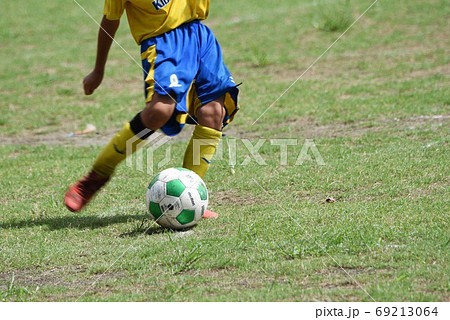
(114,9)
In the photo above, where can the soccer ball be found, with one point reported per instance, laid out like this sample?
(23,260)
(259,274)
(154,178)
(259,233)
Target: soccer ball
(177,198)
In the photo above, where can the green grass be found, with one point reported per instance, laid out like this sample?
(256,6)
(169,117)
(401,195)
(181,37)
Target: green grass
(376,105)
(336,16)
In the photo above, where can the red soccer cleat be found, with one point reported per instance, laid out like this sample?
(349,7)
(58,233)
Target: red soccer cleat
(80,193)
(210,214)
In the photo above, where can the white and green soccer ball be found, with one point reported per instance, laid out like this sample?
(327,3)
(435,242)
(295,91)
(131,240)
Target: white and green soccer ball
(177,198)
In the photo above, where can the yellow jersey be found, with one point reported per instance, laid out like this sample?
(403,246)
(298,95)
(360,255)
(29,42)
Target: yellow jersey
(149,18)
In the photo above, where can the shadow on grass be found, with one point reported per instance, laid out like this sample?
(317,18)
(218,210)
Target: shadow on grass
(153,229)
(149,227)
(75,221)
(148,231)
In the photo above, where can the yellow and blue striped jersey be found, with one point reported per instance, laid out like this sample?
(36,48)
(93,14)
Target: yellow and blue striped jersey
(149,18)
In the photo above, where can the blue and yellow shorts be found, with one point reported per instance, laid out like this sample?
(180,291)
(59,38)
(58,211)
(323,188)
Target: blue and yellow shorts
(187,64)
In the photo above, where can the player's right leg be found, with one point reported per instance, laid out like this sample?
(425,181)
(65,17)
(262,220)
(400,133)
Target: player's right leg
(156,113)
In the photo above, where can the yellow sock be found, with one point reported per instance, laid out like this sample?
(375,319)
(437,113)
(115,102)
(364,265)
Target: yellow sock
(201,149)
(115,151)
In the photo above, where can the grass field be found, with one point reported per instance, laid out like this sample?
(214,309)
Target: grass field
(376,106)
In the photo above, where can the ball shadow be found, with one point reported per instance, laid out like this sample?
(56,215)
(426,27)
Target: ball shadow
(153,229)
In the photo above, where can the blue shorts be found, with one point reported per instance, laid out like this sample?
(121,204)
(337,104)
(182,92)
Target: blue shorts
(187,64)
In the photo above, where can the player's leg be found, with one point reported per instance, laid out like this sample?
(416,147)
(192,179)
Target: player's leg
(156,113)
(206,137)
(211,115)
(217,92)
(204,140)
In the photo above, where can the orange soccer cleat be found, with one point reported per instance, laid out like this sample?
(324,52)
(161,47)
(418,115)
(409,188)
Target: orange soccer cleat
(80,193)
(210,214)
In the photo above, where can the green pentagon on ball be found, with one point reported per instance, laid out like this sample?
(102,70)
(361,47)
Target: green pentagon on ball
(175,188)
(202,191)
(155,210)
(186,216)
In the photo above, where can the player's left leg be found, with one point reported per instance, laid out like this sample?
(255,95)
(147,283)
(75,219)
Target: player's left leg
(206,137)
(204,140)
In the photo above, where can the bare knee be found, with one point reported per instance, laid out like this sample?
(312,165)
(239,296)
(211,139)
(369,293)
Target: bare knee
(158,111)
(212,114)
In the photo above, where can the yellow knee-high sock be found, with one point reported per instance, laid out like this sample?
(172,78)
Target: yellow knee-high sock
(115,151)
(201,149)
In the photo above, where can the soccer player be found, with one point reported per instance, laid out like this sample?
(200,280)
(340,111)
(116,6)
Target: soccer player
(186,81)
